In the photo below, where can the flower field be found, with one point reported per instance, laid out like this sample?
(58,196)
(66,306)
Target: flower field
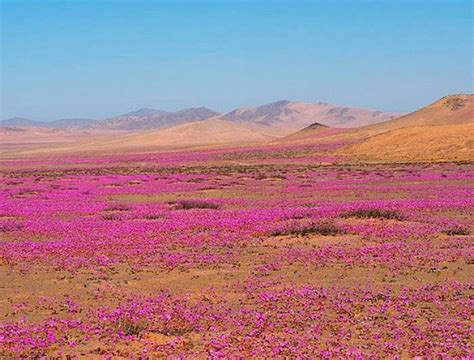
(274,252)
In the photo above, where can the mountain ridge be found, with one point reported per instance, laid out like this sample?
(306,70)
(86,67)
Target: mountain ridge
(279,118)
(66,123)
(285,117)
(149,119)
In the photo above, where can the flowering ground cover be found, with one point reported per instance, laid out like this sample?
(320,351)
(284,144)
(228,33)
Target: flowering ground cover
(272,252)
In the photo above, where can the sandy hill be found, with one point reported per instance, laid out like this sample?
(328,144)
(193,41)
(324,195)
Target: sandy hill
(17,139)
(453,142)
(310,133)
(452,109)
(27,134)
(206,132)
(442,131)
(209,132)
(285,117)
(150,119)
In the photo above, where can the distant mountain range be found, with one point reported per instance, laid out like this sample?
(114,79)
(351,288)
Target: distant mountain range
(58,124)
(275,119)
(441,131)
(149,119)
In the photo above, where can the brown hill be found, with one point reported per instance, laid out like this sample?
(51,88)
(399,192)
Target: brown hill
(15,135)
(209,132)
(452,109)
(206,132)
(442,131)
(286,117)
(453,142)
(310,133)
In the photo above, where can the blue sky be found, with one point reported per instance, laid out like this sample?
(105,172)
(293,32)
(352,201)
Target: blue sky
(102,58)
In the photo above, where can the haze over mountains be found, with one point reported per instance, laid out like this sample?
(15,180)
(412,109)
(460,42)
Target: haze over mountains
(73,123)
(277,119)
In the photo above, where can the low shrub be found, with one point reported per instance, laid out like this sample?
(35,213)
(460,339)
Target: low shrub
(118,207)
(10,227)
(457,230)
(153,216)
(324,228)
(373,213)
(111,217)
(131,328)
(194,204)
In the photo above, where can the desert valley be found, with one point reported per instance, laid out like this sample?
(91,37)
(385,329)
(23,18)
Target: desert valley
(265,179)
(284,230)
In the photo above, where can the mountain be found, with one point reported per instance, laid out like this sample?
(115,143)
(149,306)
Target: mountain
(441,131)
(148,119)
(73,123)
(285,117)
(144,112)
(18,121)
(276,119)
(78,123)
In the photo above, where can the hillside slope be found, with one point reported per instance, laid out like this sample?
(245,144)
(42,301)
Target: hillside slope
(441,131)
(210,132)
(452,109)
(206,132)
(419,143)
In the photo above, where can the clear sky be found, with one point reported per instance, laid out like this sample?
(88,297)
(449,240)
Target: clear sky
(101,58)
